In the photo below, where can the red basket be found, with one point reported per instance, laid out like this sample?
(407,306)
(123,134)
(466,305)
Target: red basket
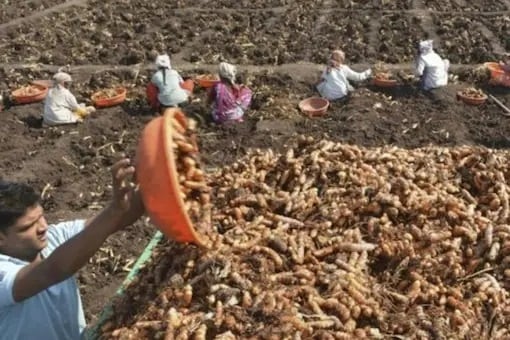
(20,96)
(314,106)
(384,82)
(498,75)
(157,175)
(119,98)
(205,80)
(471,100)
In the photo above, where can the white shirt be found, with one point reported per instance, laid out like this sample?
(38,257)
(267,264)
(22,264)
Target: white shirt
(433,70)
(59,106)
(170,91)
(335,84)
(56,313)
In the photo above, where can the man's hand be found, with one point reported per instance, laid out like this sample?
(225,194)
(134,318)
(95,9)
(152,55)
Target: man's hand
(127,202)
(122,171)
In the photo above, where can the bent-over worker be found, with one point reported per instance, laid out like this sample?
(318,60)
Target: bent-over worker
(430,67)
(505,63)
(334,83)
(61,106)
(230,100)
(167,88)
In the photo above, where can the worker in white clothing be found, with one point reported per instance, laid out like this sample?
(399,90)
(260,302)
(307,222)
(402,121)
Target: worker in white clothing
(430,67)
(60,105)
(334,82)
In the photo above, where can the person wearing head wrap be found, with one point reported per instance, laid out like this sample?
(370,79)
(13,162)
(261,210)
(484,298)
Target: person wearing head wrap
(430,67)
(60,105)
(334,83)
(505,63)
(167,88)
(229,99)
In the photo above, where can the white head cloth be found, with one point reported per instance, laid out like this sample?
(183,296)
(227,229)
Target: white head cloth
(426,46)
(62,77)
(163,61)
(228,71)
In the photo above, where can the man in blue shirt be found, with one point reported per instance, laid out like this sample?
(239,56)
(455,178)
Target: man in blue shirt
(39,297)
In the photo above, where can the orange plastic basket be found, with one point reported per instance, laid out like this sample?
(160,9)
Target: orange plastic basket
(157,176)
(470,100)
(21,97)
(498,75)
(119,98)
(205,80)
(314,106)
(384,82)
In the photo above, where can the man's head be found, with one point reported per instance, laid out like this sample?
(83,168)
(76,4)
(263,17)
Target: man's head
(336,58)
(22,224)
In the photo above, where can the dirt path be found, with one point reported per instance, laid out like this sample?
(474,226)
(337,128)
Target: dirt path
(291,68)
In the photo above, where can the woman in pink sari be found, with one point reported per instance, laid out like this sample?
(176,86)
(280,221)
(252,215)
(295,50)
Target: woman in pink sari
(230,100)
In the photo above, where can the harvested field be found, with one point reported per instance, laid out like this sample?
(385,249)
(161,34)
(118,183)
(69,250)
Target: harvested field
(500,26)
(267,37)
(398,37)
(467,6)
(462,41)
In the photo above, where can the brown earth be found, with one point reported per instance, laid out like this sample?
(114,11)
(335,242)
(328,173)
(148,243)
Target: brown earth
(71,162)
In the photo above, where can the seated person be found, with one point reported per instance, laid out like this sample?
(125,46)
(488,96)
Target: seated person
(505,63)
(230,100)
(167,88)
(334,82)
(60,105)
(430,67)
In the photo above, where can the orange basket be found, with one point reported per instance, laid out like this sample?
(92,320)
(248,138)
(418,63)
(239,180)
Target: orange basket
(205,81)
(471,100)
(100,100)
(384,82)
(498,75)
(29,94)
(157,175)
(314,106)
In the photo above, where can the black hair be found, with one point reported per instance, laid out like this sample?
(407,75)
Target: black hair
(15,199)
(163,69)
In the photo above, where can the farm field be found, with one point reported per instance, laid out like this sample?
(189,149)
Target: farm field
(280,47)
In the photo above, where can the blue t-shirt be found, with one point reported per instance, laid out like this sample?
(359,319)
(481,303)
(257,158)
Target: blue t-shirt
(53,314)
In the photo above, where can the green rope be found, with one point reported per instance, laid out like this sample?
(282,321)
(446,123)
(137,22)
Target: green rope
(93,332)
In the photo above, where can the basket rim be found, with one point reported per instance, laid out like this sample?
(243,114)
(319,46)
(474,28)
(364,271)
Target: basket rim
(43,89)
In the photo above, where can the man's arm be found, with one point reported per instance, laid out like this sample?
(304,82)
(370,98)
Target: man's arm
(66,259)
(72,255)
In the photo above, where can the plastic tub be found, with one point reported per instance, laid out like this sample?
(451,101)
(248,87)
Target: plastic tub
(205,81)
(101,101)
(380,82)
(498,75)
(495,69)
(471,100)
(20,96)
(314,106)
(157,176)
